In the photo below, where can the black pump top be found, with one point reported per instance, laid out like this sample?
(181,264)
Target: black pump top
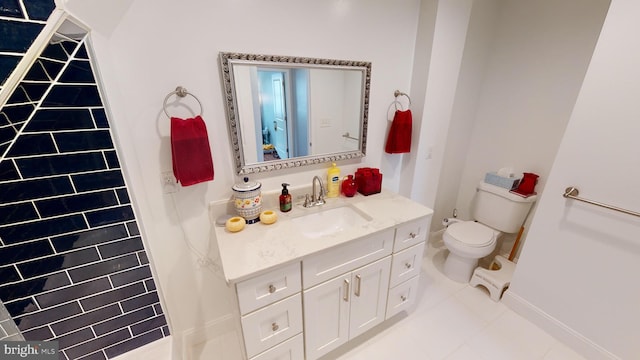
(285,191)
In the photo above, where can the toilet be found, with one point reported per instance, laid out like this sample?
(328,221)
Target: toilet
(496,211)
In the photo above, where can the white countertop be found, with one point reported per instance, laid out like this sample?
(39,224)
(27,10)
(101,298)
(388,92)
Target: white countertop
(260,247)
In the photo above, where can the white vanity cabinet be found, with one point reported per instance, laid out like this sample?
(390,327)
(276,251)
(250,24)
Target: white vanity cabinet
(271,314)
(345,307)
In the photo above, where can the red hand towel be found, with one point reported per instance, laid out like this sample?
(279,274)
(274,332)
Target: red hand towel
(190,151)
(399,138)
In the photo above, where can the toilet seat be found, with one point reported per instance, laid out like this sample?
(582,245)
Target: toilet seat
(471,233)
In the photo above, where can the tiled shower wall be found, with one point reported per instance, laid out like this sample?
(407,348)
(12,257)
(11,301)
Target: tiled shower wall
(73,267)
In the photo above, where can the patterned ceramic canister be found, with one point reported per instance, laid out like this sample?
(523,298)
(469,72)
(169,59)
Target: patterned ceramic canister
(248,200)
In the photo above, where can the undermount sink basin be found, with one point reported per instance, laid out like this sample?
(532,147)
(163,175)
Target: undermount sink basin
(330,221)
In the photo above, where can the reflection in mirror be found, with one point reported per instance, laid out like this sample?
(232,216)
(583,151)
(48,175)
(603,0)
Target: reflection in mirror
(288,111)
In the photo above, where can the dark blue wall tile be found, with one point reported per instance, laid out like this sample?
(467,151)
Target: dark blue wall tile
(17,113)
(33,189)
(132,227)
(104,267)
(140,301)
(77,71)
(120,248)
(58,262)
(76,203)
(48,316)
(83,140)
(60,119)
(165,331)
(32,144)
(18,96)
(34,91)
(73,292)
(7,134)
(96,181)
(123,196)
(37,73)
(22,252)
(38,334)
(134,343)
(34,286)
(73,96)
(11,8)
(7,64)
(97,344)
(123,321)
(8,274)
(8,171)
(60,164)
(112,159)
(17,36)
(39,9)
(82,52)
(150,284)
(99,355)
(16,213)
(147,325)
(86,319)
(22,306)
(42,228)
(51,67)
(109,216)
(69,46)
(112,296)
(74,338)
(56,51)
(131,276)
(101,118)
(143,258)
(89,237)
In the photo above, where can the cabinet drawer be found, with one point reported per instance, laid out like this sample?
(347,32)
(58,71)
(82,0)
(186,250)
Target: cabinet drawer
(412,233)
(292,349)
(402,296)
(264,289)
(406,264)
(342,259)
(272,325)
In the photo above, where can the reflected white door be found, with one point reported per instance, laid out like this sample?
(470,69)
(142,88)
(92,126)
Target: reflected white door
(280,138)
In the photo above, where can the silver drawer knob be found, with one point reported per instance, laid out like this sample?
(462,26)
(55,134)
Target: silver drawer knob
(403,298)
(275,327)
(272,289)
(413,235)
(407,265)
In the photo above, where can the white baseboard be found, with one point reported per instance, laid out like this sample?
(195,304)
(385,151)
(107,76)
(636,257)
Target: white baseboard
(555,328)
(213,330)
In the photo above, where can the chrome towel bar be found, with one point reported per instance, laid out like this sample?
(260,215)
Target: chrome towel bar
(572,193)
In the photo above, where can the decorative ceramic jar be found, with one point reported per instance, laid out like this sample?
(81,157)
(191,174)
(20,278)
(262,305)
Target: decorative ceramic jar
(248,200)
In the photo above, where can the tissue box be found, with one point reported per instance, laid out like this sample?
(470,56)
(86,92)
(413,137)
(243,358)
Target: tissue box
(504,182)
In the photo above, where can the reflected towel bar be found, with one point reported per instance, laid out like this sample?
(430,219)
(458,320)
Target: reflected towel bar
(348,136)
(572,193)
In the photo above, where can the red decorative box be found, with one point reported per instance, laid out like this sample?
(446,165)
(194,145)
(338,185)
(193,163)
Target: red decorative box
(369,181)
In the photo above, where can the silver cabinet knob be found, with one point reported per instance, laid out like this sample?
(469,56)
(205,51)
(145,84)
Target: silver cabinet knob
(275,327)
(403,298)
(272,289)
(408,265)
(413,235)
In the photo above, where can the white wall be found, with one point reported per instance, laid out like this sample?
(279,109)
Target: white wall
(535,55)
(145,48)
(579,268)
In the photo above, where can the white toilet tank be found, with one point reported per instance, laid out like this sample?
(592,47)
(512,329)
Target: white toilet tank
(500,209)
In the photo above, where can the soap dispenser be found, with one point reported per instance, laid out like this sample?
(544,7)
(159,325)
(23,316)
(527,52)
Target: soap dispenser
(285,199)
(333,181)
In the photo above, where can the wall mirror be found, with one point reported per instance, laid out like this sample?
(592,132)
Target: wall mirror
(286,111)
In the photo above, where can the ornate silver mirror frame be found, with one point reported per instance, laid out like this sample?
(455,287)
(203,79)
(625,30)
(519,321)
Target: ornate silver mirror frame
(236,125)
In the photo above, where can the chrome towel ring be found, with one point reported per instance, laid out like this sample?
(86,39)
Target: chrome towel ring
(180,92)
(398,93)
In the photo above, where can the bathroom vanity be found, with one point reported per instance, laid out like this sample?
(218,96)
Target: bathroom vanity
(322,276)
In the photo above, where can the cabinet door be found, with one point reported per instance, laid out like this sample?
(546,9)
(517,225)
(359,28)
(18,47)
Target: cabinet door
(326,316)
(370,285)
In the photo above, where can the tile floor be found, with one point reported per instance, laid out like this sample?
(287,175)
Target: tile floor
(453,321)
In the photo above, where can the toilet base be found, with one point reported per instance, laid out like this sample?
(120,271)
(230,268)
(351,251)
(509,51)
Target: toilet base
(458,268)
(496,281)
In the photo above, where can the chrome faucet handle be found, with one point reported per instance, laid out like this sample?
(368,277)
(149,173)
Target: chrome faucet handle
(306,200)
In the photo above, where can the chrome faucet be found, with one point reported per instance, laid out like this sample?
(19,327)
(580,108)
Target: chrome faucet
(315,200)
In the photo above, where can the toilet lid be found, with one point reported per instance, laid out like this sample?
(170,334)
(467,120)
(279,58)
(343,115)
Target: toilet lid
(471,233)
